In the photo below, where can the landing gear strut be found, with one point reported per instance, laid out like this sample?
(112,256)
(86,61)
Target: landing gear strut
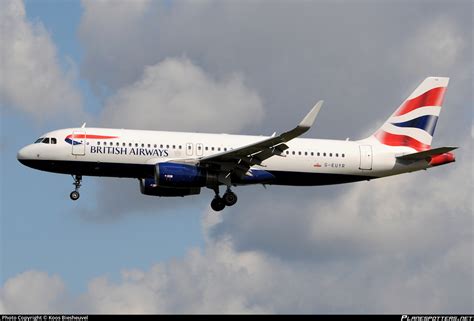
(77,184)
(228,199)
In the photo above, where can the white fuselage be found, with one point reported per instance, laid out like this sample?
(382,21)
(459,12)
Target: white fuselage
(132,153)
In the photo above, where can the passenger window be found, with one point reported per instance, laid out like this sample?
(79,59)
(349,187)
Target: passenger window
(212,148)
(324,154)
(111,144)
(161,145)
(149,145)
(330,154)
(124,144)
(318,154)
(218,149)
(118,144)
(299,153)
(46,140)
(143,145)
(53,140)
(305,153)
(179,146)
(312,154)
(174,147)
(342,155)
(225,149)
(207,148)
(337,154)
(154,146)
(167,146)
(136,144)
(199,147)
(293,152)
(129,144)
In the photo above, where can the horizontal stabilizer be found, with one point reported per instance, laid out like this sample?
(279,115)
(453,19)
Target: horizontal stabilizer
(426,154)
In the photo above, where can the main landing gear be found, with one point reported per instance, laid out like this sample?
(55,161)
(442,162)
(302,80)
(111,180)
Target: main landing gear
(77,183)
(228,199)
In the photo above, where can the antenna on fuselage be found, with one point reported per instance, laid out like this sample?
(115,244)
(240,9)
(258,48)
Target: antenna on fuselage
(83,125)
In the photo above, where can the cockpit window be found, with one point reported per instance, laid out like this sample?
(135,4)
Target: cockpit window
(46,140)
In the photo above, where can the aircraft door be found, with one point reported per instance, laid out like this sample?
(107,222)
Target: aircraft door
(365,157)
(189,149)
(79,143)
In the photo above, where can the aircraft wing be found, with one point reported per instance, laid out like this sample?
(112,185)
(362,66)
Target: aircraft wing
(239,160)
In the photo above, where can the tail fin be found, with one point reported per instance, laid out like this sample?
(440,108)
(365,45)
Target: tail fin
(413,123)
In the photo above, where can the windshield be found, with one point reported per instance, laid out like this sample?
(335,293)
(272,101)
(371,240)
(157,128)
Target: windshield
(46,140)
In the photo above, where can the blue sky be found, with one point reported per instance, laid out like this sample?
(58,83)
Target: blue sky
(40,225)
(235,67)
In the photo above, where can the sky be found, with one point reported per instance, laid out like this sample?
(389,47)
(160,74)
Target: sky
(403,244)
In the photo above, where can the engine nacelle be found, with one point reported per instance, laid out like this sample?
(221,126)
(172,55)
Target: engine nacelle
(148,186)
(183,176)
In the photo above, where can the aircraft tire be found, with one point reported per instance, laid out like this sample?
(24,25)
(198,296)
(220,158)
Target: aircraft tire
(217,204)
(74,195)
(230,198)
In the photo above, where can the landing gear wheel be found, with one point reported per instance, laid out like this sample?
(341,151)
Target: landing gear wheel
(229,198)
(217,204)
(77,184)
(74,195)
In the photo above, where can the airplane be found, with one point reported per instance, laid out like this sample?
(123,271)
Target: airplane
(181,163)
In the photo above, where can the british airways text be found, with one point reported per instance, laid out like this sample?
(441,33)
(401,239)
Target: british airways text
(129,151)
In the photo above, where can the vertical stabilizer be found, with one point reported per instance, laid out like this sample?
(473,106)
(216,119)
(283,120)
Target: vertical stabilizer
(413,123)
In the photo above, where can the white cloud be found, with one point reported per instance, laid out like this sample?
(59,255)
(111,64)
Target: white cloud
(32,292)
(175,94)
(439,44)
(31,77)
(111,20)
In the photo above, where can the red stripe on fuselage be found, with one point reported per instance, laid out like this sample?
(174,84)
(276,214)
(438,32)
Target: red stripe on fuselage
(400,140)
(91,136)
(433,97)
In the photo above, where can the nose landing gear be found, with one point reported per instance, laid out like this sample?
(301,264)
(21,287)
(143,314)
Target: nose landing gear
(77,184)
(228,199)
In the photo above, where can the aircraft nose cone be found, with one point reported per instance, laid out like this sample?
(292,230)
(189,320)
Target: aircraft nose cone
(22,155)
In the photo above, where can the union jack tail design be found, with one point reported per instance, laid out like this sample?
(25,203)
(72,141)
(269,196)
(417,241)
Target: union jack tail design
(414,122)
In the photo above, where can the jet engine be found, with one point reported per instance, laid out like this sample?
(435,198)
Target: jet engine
(148,186)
